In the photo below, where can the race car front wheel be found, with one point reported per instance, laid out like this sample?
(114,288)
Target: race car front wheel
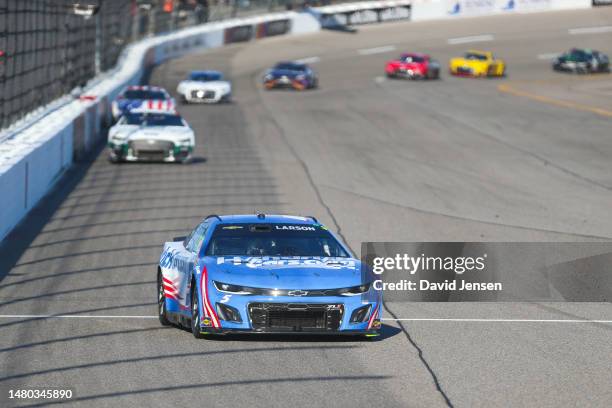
(161,301)
(195,314)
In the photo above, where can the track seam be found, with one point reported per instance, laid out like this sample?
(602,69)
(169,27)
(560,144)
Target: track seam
(302,164)
(422,358)
(340,233)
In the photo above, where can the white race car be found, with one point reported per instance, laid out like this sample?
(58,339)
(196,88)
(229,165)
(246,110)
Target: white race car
(151,136)
(204,87)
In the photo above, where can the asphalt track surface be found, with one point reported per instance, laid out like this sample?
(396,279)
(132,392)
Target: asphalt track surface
(455,159)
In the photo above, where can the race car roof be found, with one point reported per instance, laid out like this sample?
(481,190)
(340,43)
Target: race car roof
(264,219)
(414,54)
(206,72)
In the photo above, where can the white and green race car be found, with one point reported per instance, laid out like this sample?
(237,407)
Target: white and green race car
(146,136)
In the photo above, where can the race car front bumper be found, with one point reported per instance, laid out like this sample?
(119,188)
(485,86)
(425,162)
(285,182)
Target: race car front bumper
(151,150)
(286,83)
(359,314)
(206,96)
(408,74)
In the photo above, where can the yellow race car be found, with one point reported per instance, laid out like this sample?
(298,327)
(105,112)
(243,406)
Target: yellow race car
(477,64)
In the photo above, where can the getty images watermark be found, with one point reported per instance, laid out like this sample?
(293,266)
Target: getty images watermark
(433,264)
(489,271)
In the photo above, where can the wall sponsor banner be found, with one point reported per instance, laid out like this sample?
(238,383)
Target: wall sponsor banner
(602,2)
(238,34)
(367,16)
(272,28)
(526,5)
(463,8)
(490,271)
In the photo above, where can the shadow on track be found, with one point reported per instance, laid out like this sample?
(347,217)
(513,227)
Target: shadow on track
(386,332)
(20,238)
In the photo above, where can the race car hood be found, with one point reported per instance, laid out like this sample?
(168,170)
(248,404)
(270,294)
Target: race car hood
(285,273)
(464,61)
(409,65)
(129,104)
(160,133)
(277,73)
(567,57)
(135,132)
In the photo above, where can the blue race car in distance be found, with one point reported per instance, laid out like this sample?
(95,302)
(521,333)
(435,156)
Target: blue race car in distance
(294,75)
(265,274)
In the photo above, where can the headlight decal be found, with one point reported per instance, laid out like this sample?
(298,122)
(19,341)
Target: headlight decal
(210,312)
(374,318)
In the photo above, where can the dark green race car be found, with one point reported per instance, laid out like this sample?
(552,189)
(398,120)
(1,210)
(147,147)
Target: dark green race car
(582,61)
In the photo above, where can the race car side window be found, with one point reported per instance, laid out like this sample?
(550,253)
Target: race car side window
(195,241)
(188,238)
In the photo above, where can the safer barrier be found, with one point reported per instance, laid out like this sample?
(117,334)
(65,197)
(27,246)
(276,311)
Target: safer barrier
(442,9)
(366,12)
(34,157)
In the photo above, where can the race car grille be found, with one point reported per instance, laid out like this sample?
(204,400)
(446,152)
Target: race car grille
(206,95)
(151,149)
(295,317)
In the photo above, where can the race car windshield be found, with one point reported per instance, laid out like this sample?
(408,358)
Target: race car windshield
(289,66)
(412,58)
(151,119)
(205,76)
(273,240)
(144,95)
(473,56)
(578,55)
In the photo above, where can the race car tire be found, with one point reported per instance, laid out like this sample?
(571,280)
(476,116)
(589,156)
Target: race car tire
(161,302)
(114,159)
(195,313)
(391,75)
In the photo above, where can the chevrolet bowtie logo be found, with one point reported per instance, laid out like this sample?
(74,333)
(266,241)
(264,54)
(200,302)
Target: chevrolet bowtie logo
(297,293)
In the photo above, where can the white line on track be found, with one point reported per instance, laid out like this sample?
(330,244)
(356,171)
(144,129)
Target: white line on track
(471,39)
(548,55)
(590,30)
(376,50)
(385,319)
(502,320)
(308,60)
(75,317)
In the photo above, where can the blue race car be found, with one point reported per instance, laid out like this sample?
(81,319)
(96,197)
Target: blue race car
(142,99)
(265,274)
(294,75)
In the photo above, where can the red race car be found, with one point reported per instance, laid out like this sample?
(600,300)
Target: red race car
(413,66)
